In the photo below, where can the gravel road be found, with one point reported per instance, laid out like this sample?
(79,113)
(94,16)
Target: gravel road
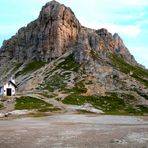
(75,131)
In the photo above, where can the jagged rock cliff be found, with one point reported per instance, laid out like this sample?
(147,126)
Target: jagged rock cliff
(57,54)
(54,32)
(47,37)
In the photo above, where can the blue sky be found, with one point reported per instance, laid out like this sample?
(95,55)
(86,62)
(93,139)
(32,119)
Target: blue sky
(129,18)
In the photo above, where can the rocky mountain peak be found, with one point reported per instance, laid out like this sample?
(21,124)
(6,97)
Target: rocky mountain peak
(119,45)
(54,11)
(54,32)
(102,32)
(45,38)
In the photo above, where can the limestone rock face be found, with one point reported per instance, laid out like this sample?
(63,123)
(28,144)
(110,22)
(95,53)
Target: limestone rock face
(121,49)
(45,38)
(56,31)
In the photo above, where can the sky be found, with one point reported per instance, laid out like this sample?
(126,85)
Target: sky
(129,18)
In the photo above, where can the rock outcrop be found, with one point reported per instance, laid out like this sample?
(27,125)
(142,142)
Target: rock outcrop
(54,32)
(45,38)
(121,49)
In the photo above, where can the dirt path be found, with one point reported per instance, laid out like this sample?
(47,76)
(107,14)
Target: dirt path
(72,131)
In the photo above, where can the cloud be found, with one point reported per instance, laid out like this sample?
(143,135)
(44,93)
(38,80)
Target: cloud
(125,3)
(128,30)
(142,22)
(131,31)
(136,3)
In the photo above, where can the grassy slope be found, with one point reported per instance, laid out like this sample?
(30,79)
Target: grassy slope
(33,103)
(59,79)
(30,67)
(110,104)
(69,64)
(79,88)
(139,73)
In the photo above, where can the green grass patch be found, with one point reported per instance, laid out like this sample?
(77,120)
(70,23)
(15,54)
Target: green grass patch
(58,81)
(31,103)
(75,99)
(106,103)
(1,106)
(85,111)
(55,82)
(30,67)
(79,88)
(17,66)
(69,64)
(62,73)
(111,104)
(143,108)
(139,73)
(94,55)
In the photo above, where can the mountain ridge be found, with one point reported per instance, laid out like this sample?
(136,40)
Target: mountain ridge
(47,37)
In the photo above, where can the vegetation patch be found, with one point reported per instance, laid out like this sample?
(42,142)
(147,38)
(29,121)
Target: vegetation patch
(17,66)
(102,102)
(69,64)
(85,111)
(55,82)
(79,87)
(75,99)
(111,104)
(32,103)
(30,67)
(143,108)
(58,77)
(95,55)
(1,106)
(138,73)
